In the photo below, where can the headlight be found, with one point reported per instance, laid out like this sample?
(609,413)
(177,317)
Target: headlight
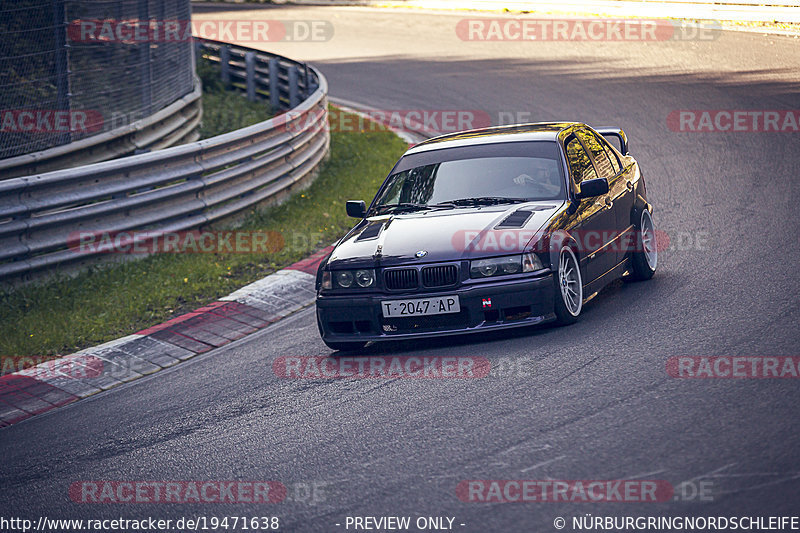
(349,279)
(344,278)
(365,278)
(510,265)
(500,266)
(483,268)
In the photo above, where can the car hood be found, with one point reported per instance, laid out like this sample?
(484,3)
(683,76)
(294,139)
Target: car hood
(443,235)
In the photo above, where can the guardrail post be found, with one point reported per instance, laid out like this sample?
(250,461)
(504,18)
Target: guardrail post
(311,84)
(294,97)
(250,67)
(306,81)
(274,85)
(224,64)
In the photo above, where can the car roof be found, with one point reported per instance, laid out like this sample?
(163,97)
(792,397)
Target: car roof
(538,131)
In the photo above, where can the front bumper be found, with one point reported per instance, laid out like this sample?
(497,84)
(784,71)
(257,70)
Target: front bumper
(514,303)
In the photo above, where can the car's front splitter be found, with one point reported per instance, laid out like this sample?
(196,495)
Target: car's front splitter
(486,306)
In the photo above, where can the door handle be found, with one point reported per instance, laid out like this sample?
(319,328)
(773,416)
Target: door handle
(629,185)
(609,203)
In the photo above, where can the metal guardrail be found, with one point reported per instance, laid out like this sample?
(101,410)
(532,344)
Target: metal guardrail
(260,75)
(175,189)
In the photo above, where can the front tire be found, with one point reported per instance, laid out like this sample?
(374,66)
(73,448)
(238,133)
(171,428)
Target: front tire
(645,256)
(345,346)
(569,288)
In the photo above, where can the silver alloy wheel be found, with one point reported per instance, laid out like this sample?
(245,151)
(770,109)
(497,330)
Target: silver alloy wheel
(649,244)
(569,281)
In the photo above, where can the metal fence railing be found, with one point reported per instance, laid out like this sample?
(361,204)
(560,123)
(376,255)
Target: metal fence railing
(175,189)
(175,124)
(61,82)
(258,74)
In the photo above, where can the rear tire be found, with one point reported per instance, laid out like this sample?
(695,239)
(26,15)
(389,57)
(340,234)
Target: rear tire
(569,288)
(645,256)
(345,346)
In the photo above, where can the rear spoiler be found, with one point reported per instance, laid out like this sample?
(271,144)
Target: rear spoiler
(615,133)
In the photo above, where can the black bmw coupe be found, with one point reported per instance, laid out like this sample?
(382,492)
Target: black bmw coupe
(488,229)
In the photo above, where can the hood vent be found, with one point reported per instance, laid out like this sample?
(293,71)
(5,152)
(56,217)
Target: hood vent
(370,232)
(517,219)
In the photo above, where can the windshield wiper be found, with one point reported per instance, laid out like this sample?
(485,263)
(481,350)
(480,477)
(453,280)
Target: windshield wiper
(480,200)
(486,200)
(408,206)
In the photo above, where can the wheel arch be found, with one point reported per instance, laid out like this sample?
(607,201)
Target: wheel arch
(558,240)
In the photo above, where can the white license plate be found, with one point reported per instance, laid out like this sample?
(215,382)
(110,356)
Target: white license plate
(421,306)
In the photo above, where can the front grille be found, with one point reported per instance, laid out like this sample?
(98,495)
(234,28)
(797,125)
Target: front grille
(439,276)
(400,279)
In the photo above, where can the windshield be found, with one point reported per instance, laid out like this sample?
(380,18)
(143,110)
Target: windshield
(522,175)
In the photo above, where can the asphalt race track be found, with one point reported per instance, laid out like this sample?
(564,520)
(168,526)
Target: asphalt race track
(592,401)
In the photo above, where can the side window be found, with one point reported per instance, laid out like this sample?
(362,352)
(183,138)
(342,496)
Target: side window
(612,155)
(580,165)
(604,166)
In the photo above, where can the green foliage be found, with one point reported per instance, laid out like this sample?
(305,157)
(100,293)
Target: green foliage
(225,110)
(209,75)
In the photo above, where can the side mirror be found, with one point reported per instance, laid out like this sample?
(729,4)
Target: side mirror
(357,208)
(591,188)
